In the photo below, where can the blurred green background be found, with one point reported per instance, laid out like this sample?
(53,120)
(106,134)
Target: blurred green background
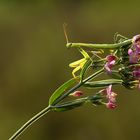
(34,62)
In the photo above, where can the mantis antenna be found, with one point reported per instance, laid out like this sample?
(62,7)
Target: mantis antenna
(65,33)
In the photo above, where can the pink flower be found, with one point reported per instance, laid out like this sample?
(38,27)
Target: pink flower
(134,52)
(133,56)
(111,97)
(111,59)
(136,74)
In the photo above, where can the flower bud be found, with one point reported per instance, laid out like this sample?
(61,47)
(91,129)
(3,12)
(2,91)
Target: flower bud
(111,105)
(77,93)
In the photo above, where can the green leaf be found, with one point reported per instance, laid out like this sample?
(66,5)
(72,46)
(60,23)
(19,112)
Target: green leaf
(102,83)
(59,92)
(69,105)
(85,68)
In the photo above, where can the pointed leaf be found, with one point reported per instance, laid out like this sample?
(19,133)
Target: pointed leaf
(69,105)
(102,83)
(58,93)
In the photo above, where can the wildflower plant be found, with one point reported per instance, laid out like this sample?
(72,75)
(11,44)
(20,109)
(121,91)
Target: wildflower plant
(121,63)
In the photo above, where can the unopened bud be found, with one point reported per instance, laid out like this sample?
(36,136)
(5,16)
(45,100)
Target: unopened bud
(111,105)
(77,93)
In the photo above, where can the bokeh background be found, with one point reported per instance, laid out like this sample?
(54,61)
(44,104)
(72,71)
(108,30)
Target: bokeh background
(34,62)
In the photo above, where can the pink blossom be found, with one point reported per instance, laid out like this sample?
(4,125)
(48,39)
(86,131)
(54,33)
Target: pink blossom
(110,96)
(111,59)
(136,72)
(134,52)
(133,56)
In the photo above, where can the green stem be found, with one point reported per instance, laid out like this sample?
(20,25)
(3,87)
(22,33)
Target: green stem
(100,46)
(30,122)
(47,109)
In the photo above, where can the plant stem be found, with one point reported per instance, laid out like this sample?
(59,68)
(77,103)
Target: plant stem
(47,109)
(99,46)
(30,122)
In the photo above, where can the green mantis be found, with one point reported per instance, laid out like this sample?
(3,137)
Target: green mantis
(99,46)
